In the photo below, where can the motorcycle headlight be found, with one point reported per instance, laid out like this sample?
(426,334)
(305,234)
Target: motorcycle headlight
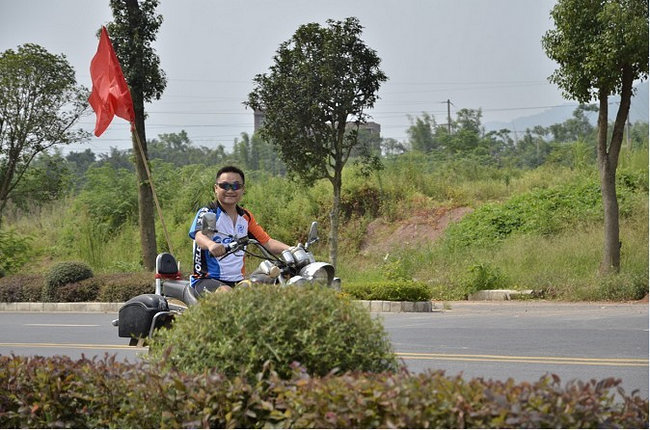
(302,257)
(299,257)
(321,273)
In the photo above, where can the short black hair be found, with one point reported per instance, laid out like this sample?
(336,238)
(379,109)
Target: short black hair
(231,169)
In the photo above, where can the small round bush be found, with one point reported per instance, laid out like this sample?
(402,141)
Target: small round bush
(64,273)
(238,332)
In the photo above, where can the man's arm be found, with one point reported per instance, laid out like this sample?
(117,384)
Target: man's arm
(275,246)
(204,242)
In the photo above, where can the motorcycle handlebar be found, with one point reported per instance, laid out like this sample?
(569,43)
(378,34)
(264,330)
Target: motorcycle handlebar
(242,242)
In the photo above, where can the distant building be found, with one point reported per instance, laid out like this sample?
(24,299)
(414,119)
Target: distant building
(258,115)
(371,126)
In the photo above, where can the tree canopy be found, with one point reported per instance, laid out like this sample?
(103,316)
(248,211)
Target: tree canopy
(315,97)
(40,101)
(601,47)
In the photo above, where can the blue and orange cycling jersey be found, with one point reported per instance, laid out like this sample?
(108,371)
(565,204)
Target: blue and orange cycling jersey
(231,267)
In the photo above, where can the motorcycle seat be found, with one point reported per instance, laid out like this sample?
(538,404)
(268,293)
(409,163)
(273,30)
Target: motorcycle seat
(167,267)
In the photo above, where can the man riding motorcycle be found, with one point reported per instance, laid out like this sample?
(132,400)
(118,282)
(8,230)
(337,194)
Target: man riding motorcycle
(213,270)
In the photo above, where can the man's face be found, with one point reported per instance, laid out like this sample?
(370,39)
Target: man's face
(225,188)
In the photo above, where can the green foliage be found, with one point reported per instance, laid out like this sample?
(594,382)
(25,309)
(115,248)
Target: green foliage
(613,287)
(598,46)
(484,277)
(15,251)
(394,269)
(47,179)
(109,196)
(49,392)
(82,291)
(396,290)
(321,77)
(544,211)
(238,332)
(120,287)
(64,273)
(133,32)
(39,104)
(287,215)
(105,287)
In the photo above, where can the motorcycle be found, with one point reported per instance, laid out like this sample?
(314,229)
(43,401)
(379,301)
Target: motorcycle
(140,316)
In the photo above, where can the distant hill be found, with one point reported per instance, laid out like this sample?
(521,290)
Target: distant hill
(638,112)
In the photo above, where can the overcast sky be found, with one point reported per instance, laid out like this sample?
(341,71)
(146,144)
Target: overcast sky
(477,53)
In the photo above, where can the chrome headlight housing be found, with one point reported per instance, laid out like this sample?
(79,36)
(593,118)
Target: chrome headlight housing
(297,280)
(318,273)
(302,257)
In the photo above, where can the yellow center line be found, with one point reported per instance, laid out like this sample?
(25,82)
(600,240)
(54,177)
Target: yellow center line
(62,325)
(629,362)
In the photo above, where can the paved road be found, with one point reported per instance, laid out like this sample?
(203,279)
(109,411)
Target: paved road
(523,340)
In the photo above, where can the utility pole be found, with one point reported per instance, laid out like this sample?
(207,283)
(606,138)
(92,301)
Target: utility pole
(448,116)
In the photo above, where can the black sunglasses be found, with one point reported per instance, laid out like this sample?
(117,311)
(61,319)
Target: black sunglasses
(230,186)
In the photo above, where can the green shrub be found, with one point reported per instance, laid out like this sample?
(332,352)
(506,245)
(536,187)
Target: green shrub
(64,273)
(14,251)
(58,392)
(82,291)
(622,287)
(398,290)
(120,287)
(240,331)
(484,277)
(394,269)
(26,287)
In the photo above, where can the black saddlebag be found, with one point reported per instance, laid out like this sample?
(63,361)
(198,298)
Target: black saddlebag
(137,314)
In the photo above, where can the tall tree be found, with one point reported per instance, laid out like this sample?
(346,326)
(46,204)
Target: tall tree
(422,133)
(133,31)
(322,78)
(40,102)
(601,47)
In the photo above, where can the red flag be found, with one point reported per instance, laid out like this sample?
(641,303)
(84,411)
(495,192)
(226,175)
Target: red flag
(110,95)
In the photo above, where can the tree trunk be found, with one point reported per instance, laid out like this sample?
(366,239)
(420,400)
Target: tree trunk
(334,214)
(146,215)
(607,164)
(5,183)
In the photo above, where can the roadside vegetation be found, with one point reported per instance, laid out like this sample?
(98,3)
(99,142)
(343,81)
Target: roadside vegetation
(536,226)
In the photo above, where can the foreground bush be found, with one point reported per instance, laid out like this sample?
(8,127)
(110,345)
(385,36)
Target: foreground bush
(60,392)
(240,331)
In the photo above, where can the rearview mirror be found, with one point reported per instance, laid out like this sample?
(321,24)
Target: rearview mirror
(209,224)
(312,237)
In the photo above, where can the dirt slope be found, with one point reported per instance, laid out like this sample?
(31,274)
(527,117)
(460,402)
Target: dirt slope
(424,226)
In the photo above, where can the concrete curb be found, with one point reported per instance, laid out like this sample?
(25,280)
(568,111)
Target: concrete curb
(370,305)
(500,295)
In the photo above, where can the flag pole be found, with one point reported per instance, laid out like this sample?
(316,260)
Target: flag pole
(153,189)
